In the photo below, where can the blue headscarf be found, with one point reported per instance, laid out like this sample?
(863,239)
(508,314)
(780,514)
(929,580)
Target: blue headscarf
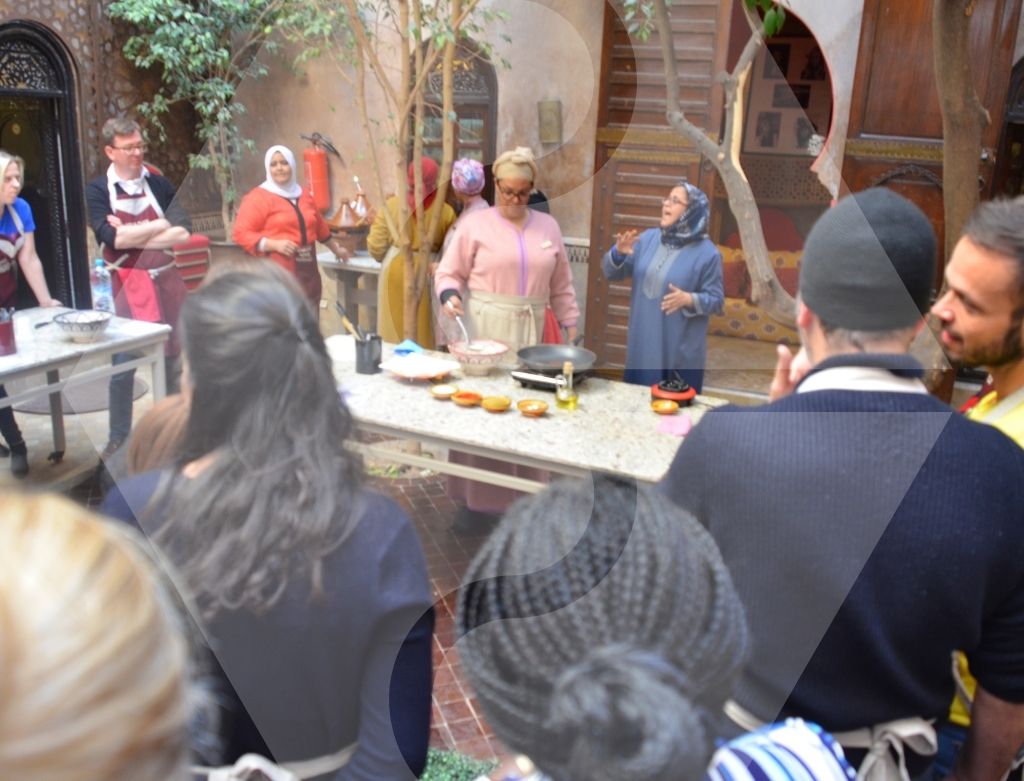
(693,224)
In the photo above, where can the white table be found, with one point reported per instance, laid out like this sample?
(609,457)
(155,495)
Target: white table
(612,430)
(346,276)
(45,353)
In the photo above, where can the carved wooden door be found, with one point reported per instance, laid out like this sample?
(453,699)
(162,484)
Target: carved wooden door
(639,157)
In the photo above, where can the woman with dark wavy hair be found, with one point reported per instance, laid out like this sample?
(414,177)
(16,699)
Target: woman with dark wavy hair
(313,591)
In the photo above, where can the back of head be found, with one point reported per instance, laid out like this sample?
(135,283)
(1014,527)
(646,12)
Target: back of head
(156,439)
(258,365)
(93,662)
(600,632)
(265,408)
(869,263)
(998,226)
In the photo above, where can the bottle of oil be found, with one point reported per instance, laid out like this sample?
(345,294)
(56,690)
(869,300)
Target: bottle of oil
(566,396)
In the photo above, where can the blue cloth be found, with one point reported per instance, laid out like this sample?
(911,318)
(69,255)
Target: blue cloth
(312,674)
(659,346)
(793,750)
(406,347)
(7,226)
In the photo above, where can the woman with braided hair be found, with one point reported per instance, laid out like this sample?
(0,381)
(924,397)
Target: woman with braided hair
(602,634)
(312,590)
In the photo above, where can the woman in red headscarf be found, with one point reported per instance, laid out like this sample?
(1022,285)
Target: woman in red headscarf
(383,245)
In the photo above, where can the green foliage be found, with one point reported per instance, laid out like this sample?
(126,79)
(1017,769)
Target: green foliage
(453,766)
(204,50)
(639,16)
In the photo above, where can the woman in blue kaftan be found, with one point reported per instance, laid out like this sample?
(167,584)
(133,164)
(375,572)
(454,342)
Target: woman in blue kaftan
(677,285)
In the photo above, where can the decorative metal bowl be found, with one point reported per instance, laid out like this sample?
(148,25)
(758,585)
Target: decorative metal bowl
(83,325)
(480,357)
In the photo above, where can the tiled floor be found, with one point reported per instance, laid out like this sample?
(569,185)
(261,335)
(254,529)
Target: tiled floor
(457,719)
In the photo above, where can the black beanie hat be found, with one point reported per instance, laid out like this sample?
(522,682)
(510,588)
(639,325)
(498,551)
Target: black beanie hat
(869,263)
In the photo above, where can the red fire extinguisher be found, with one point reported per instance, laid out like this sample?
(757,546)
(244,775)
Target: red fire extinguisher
(317,170)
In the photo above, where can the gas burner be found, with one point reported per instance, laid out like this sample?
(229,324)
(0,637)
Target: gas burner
(543,380)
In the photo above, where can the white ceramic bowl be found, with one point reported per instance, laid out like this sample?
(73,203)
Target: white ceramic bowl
(83,325)
(487,354)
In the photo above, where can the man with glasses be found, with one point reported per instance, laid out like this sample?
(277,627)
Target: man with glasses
(136,219)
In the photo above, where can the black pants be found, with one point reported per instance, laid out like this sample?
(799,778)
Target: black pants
(8,426)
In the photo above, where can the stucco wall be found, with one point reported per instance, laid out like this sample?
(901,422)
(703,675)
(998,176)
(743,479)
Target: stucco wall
(554,53)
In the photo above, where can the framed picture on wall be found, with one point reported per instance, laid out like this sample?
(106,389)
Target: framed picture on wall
(789,98)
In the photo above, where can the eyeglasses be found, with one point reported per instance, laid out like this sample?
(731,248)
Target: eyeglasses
(131,148)
(675,201)
(517,195)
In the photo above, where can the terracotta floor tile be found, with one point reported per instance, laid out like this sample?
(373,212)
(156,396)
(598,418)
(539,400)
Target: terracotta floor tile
(466,729)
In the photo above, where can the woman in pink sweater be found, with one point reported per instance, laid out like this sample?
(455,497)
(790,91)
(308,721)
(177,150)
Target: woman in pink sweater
(278,219)
(504,266)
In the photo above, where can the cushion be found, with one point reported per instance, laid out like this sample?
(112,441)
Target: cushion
(789,278)
(735,279)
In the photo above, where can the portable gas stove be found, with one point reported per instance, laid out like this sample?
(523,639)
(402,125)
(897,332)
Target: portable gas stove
(543,380)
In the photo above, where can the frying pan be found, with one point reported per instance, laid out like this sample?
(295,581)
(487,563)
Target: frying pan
(550,357)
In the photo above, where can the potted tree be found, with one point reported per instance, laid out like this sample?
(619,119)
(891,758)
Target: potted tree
(204,51)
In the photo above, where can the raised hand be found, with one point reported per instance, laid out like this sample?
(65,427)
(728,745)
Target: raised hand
(624,241)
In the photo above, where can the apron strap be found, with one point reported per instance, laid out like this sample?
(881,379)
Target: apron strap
(286,771)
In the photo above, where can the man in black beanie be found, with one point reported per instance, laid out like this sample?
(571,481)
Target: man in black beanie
(869,530)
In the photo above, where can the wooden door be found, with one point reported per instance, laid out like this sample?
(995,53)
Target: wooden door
(895,135)
(638,156)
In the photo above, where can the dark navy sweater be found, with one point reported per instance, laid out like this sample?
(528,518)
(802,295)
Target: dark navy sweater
(310,676)
(869,534)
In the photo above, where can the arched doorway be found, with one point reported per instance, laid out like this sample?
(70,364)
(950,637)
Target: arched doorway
(38,122)
(476,106)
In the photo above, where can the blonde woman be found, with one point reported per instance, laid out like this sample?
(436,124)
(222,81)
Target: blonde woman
(505,265)
(93,663)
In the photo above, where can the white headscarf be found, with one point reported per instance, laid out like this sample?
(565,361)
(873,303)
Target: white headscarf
(290,190)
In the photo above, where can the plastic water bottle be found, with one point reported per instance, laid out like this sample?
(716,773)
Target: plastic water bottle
(102,291)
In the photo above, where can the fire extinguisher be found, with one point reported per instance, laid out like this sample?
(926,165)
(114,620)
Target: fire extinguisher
(317,170)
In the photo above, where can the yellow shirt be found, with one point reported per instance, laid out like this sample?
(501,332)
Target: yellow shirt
(1010,423)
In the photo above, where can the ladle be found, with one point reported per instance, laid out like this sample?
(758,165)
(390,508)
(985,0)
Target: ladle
(470,346)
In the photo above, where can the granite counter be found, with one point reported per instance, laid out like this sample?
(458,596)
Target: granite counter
(613,429)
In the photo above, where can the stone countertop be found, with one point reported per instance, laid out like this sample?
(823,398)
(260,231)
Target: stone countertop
(41,348)
(360,261)
(613,429)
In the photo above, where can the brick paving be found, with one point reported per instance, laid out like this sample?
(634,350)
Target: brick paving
(457,722)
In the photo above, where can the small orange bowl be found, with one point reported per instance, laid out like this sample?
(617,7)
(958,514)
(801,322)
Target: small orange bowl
(466,398)
(443,392)
(532,408)
(665,406)
(496,403)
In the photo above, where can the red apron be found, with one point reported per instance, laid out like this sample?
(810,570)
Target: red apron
(146,284)
(10,246)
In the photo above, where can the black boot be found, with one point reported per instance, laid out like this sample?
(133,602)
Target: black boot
(19,460)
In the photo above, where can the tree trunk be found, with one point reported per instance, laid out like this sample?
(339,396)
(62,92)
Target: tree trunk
(963,117)
(963,122)
(766,292)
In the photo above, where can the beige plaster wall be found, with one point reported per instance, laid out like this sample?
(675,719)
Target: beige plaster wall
(554,53)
